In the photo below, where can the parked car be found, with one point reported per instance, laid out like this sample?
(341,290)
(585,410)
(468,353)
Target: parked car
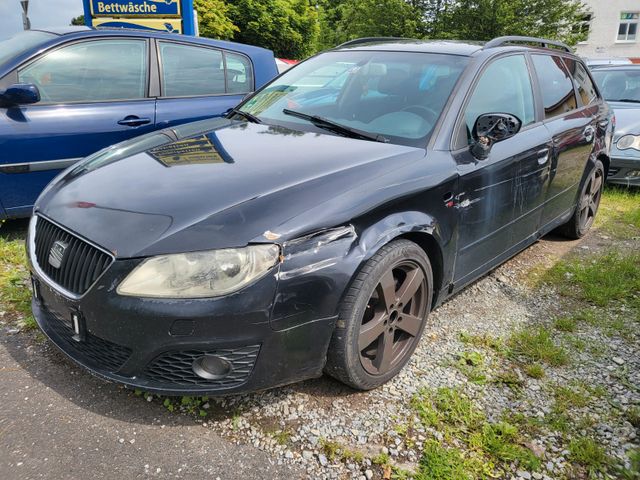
(316,227)
(66,93)
(604,61)
(620,86)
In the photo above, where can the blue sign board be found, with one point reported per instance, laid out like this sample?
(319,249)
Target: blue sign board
(138,14)
(137,8)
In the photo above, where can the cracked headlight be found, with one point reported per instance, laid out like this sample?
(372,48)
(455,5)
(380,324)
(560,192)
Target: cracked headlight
(200,274)
(628,141)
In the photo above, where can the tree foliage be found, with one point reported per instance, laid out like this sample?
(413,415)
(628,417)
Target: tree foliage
(213,19)
(77,20)
(288,27)
(487,19)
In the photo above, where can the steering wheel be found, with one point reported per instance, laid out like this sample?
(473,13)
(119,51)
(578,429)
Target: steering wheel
(431,115)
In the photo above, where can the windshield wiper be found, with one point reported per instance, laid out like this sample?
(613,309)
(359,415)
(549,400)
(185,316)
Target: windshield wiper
(336,127)
(630,100)
(249,116)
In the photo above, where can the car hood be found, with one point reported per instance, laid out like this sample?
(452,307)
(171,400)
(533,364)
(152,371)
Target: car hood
(213,184)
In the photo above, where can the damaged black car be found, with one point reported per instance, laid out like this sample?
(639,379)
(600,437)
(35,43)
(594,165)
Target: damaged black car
(315,227)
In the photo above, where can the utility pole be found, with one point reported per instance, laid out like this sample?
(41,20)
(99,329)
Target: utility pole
(26,23)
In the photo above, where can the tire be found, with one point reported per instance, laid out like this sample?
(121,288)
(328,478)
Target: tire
(371,306)
(587,205)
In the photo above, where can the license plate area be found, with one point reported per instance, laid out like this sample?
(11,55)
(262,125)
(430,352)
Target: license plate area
(62,308)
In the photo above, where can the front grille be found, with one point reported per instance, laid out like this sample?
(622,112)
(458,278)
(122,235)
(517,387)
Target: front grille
(80,264)
(175,367)
(95,351)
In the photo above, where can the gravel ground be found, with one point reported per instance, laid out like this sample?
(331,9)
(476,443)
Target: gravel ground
(296,423)
(298,427)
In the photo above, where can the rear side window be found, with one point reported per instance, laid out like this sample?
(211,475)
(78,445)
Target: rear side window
(189,70)
(556,85)
(586,89)
(90,72)
(239,73)
(504,87)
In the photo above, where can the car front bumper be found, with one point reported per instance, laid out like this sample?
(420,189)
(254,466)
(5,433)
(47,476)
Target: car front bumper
(624,171)
(151,344)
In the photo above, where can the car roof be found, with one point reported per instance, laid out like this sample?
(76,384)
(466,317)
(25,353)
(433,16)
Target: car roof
(409,45)
(83,32)
(626,66)
(457,47)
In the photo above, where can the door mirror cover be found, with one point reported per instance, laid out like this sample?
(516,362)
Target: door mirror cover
(491,128)
(20,94)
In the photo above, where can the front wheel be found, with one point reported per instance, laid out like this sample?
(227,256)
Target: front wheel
(382,316)
(587,206)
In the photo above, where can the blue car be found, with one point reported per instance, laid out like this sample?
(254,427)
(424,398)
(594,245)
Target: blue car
(66,93)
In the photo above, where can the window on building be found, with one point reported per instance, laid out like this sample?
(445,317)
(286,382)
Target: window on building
(628,28)
(582,28)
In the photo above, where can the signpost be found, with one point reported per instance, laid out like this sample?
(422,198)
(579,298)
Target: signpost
(26,23)
(174,16)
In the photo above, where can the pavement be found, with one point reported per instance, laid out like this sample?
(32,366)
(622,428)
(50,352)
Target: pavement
(59,422)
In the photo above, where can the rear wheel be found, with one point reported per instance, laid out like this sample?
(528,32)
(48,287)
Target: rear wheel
(382,317)
(588,203)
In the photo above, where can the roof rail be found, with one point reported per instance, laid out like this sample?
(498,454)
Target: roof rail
(358,41)
(544,43)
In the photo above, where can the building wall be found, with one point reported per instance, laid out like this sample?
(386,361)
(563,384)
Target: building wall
(603,30)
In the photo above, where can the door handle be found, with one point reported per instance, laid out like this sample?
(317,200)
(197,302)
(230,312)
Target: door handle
(588,133)
(133,121)
(543,156)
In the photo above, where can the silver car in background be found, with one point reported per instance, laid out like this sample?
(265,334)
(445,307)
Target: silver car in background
(620,86)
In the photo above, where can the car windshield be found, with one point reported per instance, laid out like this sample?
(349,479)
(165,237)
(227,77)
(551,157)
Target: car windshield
(619,85)
(375,95)
(20,43)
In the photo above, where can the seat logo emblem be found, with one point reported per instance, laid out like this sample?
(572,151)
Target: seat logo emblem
(56,254)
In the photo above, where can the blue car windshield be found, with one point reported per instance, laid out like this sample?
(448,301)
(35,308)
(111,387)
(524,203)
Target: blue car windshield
(22,42)
(396,95)
(619,85)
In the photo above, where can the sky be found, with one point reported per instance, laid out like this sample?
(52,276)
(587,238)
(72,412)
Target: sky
(43,13)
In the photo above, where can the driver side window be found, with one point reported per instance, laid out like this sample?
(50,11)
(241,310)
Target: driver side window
(504,87)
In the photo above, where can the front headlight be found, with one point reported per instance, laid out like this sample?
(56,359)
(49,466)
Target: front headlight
(628,141)
(200,274)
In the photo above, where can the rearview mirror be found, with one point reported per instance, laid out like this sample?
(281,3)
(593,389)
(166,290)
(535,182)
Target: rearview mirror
(20,94)
(491,128)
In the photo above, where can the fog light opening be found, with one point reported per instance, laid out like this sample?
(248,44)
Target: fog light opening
(211,367)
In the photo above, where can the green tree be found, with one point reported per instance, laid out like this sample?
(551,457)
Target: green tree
(77,20)
(371,18)
(486,19)
(213,19)
(288,27)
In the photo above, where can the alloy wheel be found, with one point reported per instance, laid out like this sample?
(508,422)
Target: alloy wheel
(393,318)
(591,199)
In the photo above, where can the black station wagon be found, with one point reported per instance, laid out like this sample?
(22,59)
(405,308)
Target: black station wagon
(315,227)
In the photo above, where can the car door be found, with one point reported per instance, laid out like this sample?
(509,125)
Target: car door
(501,197)
(93,94)
(572,130)
(200,82)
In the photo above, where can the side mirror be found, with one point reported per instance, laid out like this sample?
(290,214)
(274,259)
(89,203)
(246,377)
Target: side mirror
(491,128)
(20,94)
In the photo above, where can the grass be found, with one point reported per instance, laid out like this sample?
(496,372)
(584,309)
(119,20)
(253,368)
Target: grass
(535,370)
(619,214)
(471,365)
(565,324)
(472,447)
(536,345)
(587,453)
(15,294)
(336,451)
(612,278)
